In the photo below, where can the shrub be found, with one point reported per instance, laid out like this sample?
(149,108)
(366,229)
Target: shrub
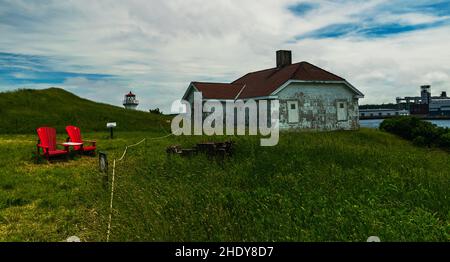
(422,133)
(420,141)
(400,126)
(445,140)
(156,111)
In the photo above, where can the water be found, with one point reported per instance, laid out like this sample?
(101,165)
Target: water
(375,123)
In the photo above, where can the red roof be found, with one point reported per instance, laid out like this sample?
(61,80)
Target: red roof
(264,82)
(130,94)
(218,90)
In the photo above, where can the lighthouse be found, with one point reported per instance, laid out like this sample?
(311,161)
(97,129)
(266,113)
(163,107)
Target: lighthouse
(130,102)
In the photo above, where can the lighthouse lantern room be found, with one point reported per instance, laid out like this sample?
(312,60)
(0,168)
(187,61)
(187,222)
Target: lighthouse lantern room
(129,101)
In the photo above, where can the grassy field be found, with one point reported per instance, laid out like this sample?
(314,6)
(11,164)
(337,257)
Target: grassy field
(339,186)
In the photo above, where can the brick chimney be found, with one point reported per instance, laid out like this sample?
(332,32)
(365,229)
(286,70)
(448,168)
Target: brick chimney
(284,58)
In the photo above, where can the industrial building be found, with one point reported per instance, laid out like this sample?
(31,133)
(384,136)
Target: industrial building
(425,104)
(381,113)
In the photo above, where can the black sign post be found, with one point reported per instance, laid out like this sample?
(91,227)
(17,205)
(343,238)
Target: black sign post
(111,126)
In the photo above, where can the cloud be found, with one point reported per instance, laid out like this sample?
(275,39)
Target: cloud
(369,30)
(386,67)
(436,78)
(103,49)
(385,18)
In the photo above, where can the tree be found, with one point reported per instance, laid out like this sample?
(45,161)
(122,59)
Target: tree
(156,111)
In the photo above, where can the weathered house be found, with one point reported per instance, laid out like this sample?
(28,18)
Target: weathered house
(309,97)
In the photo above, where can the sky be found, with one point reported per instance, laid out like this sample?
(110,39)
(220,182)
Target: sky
(102,49)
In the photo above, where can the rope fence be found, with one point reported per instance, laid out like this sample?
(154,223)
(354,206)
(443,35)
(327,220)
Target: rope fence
(108,233)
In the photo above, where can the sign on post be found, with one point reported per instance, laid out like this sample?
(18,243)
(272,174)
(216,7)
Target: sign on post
(111,125)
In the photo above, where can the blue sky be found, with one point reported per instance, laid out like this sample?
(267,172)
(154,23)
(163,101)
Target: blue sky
(19,69)
(101,50)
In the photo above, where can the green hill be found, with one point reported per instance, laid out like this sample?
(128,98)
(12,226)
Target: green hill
(24,110)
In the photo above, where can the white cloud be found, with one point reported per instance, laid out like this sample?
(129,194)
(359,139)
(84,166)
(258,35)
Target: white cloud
(410,18)
(386,67)
(436,77)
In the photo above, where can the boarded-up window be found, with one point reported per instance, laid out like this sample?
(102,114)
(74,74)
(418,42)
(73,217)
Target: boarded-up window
(293,114)
(342,112)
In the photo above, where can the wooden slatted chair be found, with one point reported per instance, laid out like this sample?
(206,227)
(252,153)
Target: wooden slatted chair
(75,136)
(47,142)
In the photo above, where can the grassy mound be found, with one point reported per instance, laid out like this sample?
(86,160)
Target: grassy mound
(24,110)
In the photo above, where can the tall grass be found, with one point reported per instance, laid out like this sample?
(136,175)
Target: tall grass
(337,186)
(340,186)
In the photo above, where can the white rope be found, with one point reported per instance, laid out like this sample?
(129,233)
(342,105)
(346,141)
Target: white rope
(126,148)
(111,202)
(113,175)
(154,138)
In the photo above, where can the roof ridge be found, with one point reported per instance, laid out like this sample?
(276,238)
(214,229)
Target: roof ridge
(323,70)
(278,67)
(296,70)
(222,83)
(242,89)
(262,70)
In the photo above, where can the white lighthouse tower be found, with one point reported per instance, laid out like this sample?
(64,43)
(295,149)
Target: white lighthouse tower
(130,102)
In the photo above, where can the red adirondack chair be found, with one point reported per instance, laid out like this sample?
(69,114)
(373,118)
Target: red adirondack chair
(47,141)
(75,136)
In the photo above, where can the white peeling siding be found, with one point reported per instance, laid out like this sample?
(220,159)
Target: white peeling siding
(318,106)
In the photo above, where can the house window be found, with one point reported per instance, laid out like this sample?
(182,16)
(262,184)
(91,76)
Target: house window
(380,114)
(362,114)
(342,113)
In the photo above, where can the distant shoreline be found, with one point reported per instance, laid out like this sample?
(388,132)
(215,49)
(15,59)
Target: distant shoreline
(418,116)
